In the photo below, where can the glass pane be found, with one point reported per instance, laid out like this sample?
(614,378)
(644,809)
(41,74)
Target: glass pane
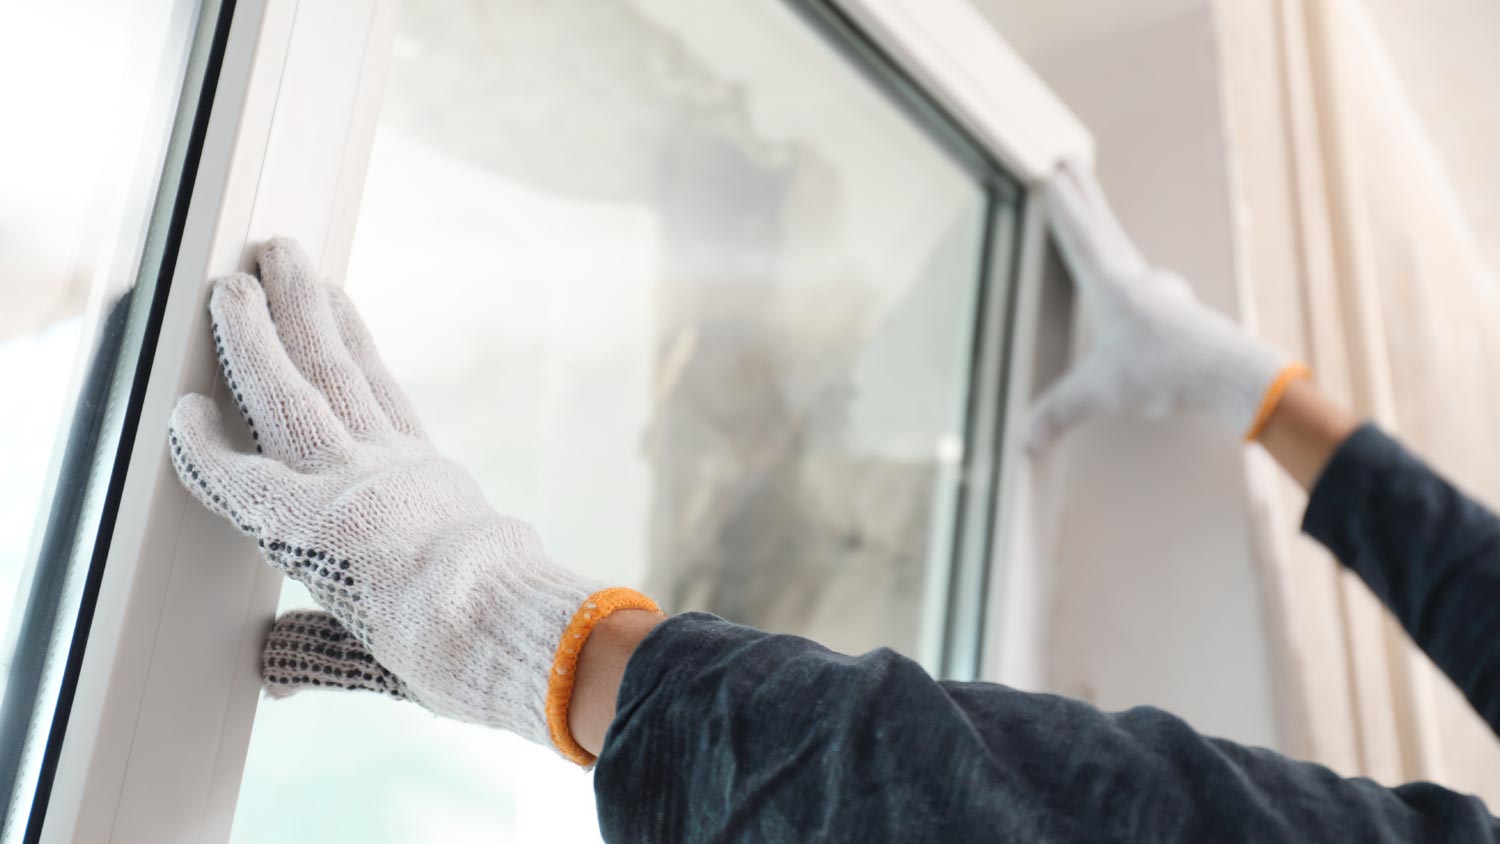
(89,167)
(687,291)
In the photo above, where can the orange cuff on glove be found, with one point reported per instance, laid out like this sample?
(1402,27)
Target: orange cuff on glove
(1291,372)
(594,609)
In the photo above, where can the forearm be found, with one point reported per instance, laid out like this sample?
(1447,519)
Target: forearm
(1428,552)
(729,734)
(1431,554)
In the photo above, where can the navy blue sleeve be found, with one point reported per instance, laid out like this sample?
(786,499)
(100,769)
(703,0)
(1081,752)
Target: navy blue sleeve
(1430,553)
(727,734)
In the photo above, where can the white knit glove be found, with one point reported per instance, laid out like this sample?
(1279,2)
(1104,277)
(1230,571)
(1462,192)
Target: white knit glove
(350,498)
(1155,350)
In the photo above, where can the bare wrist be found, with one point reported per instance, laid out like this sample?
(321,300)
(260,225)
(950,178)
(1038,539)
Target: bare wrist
(1305,429)
(601,668)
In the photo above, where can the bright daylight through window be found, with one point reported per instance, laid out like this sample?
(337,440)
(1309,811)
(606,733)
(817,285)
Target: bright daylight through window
(689,292)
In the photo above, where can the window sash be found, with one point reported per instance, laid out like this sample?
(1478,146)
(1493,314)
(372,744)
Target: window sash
(169,678)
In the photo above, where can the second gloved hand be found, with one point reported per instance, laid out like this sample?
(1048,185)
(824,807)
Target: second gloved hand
(1156,350)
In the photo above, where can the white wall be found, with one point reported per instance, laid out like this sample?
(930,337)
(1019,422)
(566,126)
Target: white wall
(1444,53)
(1155,599)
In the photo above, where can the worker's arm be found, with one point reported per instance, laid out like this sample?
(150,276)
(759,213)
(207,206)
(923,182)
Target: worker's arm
(725,733)
(1431,554)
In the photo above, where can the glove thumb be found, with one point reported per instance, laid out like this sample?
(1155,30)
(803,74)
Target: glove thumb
(1081,395)
(311,650)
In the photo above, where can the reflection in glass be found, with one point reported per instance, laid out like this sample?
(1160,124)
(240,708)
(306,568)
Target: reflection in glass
(684,290)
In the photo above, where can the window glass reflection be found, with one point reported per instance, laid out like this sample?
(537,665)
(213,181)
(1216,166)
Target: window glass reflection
(91,97)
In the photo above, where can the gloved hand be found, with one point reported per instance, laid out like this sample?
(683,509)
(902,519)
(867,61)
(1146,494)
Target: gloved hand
(350,498)
(1156,349)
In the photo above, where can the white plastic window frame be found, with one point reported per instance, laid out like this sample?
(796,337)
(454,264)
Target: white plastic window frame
(165,699)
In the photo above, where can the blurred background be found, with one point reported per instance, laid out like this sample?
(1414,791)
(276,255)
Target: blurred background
(688,291)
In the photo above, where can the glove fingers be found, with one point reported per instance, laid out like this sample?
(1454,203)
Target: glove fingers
(288,417)
(1080,395)
(361,348)
(1092,241)
(311,650)
(230,483)
(305,323)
